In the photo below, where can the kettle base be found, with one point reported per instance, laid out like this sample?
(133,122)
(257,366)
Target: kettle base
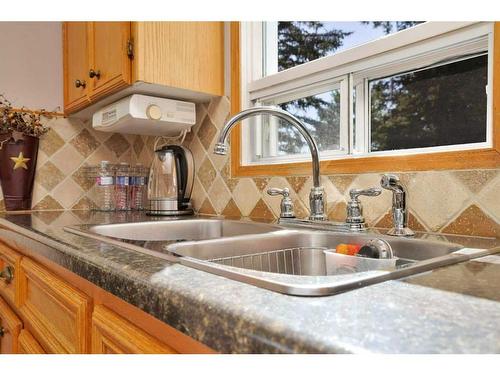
(188,211)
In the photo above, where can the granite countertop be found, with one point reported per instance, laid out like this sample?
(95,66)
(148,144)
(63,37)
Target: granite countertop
(452,309)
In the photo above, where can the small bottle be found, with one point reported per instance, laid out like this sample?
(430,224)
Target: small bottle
(138,187)
(103,189)
(122,186)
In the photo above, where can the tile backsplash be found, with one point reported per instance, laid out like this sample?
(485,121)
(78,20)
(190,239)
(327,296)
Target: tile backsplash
(461,201)
(464,201)
(65,150)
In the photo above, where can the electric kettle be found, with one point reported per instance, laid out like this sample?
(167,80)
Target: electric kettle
(171,182)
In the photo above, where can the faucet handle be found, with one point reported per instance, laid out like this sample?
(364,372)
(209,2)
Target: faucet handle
(285,192)
(354,216)
(286,202)
(371,192)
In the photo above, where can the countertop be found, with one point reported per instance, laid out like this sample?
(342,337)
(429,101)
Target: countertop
(454,309)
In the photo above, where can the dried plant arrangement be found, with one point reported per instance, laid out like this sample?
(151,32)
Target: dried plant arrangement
(21,120)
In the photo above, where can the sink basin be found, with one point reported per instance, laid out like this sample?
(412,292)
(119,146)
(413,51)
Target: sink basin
(296,252)
(179,230)
(290,261)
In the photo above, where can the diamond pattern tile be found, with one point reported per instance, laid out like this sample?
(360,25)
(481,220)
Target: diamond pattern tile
(342,182)
(436,197)
(79,176)
(67,193)
(226,175)
(51,142)
(138,145)
(219,195)
(85,143)
(207,174)
(85,203)
(207,133)
(337,212)
(262,212)
(297,182)
(118,144)
(49,176)
(475,180)
(261,182)
(198,194)
(207,208)
(489,199)
(474,221)
(67,128)
(218,110)
(246,195)
(231,210)
(67,159)
(48,203)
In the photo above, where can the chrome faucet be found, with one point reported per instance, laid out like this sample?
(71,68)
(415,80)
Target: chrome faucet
(399,205)
(317,199)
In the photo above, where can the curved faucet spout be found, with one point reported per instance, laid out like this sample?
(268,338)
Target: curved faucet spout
(317,198)
(221,146)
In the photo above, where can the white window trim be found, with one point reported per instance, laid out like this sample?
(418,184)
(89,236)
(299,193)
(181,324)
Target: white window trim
(421,45)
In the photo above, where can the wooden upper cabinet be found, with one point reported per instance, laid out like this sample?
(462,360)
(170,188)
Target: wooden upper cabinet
(110,64)
(75,55)
(185,55)
(185,59)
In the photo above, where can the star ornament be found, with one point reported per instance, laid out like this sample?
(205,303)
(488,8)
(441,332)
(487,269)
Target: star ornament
(20,161)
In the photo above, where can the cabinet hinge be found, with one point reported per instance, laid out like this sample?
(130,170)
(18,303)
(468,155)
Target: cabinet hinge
(130,49)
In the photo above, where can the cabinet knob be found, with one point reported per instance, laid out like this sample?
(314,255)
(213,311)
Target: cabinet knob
(7,274)
(79,83)
(93,73)
(3,331)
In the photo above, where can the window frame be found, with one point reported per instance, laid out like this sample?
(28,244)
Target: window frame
(422,38)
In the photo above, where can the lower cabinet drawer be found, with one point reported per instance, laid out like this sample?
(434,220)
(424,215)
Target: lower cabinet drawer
(112,334)
(9,268)
(28,344)
(10,326)
(57,314)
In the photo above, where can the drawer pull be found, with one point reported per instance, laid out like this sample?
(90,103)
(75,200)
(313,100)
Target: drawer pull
(7,274)
(3,331)
(93,73)
(79,83)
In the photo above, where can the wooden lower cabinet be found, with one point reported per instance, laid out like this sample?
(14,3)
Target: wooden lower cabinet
(10,262)
(46,309)
(10,326)
(112,334)
(28,344)
(58,314)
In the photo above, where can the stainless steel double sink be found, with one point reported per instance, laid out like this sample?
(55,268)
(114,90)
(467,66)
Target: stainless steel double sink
(271,256)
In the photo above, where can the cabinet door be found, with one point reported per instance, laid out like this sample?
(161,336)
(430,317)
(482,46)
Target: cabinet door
(110,66)
(10,326)
(10,262)
(57,314)
(75,55)
(112,334)
(28,344)
(185,55)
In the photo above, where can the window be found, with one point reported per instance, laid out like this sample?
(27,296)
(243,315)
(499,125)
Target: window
(440,106)
(423,88)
